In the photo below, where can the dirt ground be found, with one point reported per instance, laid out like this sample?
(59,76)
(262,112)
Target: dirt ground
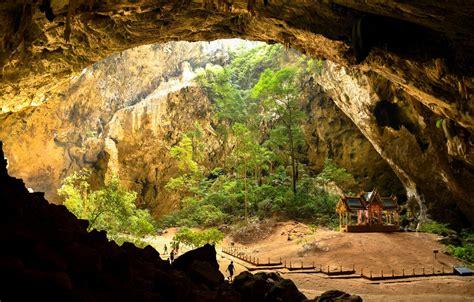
(367,251)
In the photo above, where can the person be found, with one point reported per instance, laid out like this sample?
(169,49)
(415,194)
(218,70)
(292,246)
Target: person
(166,249)
(171,256)
(230,269)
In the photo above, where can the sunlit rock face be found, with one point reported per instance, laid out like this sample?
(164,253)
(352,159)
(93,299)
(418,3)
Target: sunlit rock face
(421,49)
(120,116)
(329,133)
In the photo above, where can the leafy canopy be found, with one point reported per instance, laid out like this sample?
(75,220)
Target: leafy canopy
(111,208)
(197,239)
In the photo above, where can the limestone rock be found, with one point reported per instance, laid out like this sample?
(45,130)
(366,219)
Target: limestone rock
(337,295)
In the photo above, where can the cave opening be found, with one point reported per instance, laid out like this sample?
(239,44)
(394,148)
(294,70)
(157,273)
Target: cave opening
(196,134)
(159,118)
(388,114)
(76,136)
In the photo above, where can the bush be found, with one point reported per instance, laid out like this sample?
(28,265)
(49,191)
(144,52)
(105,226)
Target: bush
(111,208)
(122,238)
(464,252)
(196,239)
(435,228)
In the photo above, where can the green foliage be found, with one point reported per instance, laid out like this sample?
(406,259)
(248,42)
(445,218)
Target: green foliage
(183,154)
(257,102)
(439,122)
(464,252)
(111,208)
(197,239)
(122,238)
(338,175)
(435,228)
(314,66)
(279,94)
(222,202)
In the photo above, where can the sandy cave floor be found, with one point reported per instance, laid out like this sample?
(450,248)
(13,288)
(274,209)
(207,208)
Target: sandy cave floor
(368,251)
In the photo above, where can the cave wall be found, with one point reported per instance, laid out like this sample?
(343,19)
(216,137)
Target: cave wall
(404,133)
(119,117)
(329,133)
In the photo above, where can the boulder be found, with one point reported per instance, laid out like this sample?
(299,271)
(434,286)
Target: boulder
(201,265)
(337,295)
(206,253)
(284,290)
(266,287)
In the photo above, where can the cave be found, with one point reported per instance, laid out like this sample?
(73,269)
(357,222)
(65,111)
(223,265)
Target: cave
(387,114)
(421,53)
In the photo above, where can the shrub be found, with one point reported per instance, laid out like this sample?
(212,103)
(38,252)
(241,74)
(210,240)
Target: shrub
(196,239)
(111,208)
(435,228)
(465,252)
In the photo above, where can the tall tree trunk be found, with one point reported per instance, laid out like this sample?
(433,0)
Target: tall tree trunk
(245,194)
(292,151)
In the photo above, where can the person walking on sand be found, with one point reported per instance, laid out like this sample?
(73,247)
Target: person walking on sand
(230,269)
(171,256)
(166,249)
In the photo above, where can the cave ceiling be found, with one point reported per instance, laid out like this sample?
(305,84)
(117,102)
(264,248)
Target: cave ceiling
(423,46)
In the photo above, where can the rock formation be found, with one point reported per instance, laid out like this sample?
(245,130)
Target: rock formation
(404,133)
(421,51)
(121,116)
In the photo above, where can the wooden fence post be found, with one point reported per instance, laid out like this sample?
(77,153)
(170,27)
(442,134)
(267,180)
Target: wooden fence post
(361,271)
(340,269)
(382,273)
(393,273)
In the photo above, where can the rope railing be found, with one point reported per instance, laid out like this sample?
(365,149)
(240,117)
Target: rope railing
(349,272)
(405,273)
(256,261)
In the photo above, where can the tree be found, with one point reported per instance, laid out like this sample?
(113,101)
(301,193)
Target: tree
(340,176)
(196,239)
(111,208)
(248,158)
(191,172)
(279,93)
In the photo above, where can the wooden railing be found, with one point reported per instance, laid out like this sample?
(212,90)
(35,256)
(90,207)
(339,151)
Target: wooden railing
(256,261)
(402,273)
(329,270)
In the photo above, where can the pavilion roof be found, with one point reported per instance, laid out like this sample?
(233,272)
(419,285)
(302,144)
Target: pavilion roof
(361,202)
